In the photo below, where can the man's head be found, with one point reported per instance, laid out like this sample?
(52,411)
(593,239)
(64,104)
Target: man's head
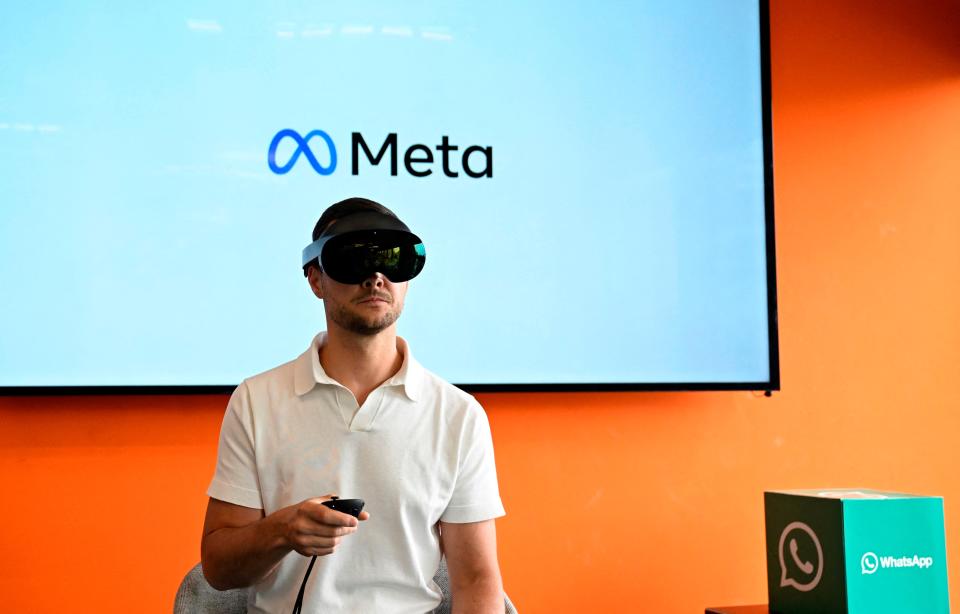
(357,237)
(360,259)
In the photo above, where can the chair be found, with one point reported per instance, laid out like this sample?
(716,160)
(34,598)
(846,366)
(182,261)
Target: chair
(196,596)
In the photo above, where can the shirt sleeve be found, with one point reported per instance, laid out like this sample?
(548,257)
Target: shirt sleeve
(235,479)
(476,494)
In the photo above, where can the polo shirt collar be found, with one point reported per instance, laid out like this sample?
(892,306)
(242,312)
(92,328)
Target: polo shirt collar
(308,372)
(410,376)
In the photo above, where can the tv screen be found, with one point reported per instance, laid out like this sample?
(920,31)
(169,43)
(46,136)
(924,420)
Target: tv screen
(592,182)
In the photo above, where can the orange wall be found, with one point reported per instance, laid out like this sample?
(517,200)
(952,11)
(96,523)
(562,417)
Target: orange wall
(625,502)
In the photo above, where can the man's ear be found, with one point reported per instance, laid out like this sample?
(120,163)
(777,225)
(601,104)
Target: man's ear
(313,278)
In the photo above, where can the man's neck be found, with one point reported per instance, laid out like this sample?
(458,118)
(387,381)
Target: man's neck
(361,362)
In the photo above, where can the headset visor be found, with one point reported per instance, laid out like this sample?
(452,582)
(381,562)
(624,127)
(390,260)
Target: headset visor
(352,257)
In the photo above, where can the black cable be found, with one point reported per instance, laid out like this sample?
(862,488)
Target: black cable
(298,606)
(353,507)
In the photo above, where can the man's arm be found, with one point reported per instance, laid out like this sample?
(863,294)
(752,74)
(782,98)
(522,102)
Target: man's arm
(240,545)
(471,552)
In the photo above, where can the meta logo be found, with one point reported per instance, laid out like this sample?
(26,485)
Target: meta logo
(418,159)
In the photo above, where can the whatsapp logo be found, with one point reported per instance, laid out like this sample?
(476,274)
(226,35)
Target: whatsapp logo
(870,562)
(801,557)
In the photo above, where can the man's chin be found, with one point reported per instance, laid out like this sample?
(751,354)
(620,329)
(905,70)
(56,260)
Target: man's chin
(365,326)
(369,331)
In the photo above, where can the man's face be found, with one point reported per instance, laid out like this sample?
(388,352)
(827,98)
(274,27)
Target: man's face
(365,308)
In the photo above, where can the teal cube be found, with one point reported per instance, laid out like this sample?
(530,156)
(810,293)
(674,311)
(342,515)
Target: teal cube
(855,552)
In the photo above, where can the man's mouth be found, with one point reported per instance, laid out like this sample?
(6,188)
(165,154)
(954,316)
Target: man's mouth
(373,298)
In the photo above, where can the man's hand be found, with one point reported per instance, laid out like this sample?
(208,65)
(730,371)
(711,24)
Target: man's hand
(241,546)
(313,529)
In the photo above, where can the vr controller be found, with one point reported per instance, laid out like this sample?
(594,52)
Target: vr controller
(347,506)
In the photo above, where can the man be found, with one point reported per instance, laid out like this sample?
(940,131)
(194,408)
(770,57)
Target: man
(355,416)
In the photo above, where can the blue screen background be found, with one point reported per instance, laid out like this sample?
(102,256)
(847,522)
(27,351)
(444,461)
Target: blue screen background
(621,239)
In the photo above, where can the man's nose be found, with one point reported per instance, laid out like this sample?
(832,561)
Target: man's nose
(374,281)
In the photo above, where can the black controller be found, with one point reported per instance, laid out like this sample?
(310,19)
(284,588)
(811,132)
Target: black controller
(347,506)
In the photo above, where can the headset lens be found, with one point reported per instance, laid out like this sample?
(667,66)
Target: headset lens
(353,257)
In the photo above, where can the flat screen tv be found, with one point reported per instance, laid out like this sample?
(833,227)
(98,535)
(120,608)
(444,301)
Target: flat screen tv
(592,181)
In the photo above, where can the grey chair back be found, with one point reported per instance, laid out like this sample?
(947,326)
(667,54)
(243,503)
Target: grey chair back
(196,596)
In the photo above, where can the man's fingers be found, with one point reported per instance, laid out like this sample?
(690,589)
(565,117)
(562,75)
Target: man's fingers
(315,551)
(338,519)
(319,529)
(313,541)
(318,512)
(364,516)
(314,545)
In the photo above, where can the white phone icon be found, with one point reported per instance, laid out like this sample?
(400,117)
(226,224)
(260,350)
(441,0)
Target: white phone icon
(805,567)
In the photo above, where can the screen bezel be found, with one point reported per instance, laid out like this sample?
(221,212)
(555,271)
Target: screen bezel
(772,384)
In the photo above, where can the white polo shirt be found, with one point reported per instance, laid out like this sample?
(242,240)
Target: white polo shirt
(418,451)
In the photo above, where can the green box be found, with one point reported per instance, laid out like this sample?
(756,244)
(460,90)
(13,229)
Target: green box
(855,552)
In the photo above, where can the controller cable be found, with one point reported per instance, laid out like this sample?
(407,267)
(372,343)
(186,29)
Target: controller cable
(298,606)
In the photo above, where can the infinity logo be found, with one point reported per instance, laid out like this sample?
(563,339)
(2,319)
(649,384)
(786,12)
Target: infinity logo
(417,159)
(303,147)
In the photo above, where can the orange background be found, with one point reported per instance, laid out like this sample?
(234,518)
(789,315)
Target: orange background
(622,502)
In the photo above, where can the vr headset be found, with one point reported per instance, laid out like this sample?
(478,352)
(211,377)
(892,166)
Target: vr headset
(356,246)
